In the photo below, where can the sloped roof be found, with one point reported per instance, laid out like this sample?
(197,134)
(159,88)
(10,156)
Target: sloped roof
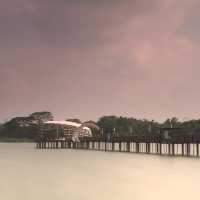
(68,123)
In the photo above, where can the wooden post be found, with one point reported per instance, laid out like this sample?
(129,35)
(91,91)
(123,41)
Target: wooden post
(137,147)
(92,144)
(120,146)
(146,147)
(169,148)
(197,145)
(148,144)
(173,149)
(157,148)
(128,146)
(188,149)
(113,146)
(182,149)
(160,148)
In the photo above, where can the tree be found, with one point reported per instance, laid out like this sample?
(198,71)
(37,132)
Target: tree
(107,124)
(123,126)
(40,117)
(26,127)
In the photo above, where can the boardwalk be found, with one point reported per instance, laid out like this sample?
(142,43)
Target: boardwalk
(179,145)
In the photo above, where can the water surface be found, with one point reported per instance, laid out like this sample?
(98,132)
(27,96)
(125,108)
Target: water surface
(27,173)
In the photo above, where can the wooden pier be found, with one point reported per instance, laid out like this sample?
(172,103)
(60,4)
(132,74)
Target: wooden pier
(176,146)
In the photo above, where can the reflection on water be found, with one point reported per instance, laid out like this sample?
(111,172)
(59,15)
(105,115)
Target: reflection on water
(27,173)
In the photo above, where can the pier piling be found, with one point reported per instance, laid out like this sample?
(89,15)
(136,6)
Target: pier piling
(184,146)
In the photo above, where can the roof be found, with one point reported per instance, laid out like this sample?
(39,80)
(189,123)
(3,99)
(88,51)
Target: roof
(68,123)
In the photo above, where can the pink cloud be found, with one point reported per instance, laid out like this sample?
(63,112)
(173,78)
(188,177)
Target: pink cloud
(128,59)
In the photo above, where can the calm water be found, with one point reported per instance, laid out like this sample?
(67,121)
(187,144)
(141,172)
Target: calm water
(27,173)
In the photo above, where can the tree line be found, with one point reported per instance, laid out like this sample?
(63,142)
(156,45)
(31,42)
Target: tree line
(29,126)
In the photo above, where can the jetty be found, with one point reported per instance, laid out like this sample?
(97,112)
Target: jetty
(168,141)
(183,145)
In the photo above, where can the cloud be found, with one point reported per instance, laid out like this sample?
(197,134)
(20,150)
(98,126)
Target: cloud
(76,22)
(142,54)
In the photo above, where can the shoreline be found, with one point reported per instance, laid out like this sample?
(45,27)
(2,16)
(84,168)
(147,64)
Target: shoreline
(15,140)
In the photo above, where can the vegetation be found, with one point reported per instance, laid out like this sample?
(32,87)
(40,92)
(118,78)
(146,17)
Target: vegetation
(126,126)
(131,126)
(28,128)
(17,140)
(24,127)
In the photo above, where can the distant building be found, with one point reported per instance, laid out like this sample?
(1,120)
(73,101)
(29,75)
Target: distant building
(68,129)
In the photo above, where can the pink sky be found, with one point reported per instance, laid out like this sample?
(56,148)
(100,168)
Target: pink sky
(88,58)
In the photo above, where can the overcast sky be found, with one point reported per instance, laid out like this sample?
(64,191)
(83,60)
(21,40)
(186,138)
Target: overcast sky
(88,58)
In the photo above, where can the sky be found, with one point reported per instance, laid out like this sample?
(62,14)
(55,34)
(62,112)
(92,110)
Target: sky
(89,58)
